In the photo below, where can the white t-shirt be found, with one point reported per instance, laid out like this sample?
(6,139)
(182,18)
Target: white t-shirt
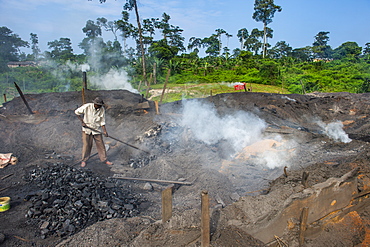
(94,118)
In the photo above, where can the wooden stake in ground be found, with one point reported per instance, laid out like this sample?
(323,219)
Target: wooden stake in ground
(305,179)
(84,80)
(148,86)
(167,204)
(165,85)
(155,73)
(205,221)
(83,95)
(156,107)
(23,98)
(139,87)
(4,97)
(303,225)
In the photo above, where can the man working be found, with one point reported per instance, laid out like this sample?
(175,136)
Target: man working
(93,118)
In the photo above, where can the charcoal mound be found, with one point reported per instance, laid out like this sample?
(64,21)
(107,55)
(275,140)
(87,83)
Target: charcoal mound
(71,199)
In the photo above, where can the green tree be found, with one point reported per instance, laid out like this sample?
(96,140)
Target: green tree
(269,71)
(171,33)
(320,46)
(162,50)
(61,49)
(35,46)
(164,25)
(349,50)
(366,50)
(126,28)
(109,26)
(242,36)
(253,42)
(219,33)
(264,12)
(195,43)
(212,44)
(92,30)
(10,44)
(303,54)
(93,42)
(280,50)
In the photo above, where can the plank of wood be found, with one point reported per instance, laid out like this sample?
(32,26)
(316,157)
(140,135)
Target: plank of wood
(167,204)
(205,220)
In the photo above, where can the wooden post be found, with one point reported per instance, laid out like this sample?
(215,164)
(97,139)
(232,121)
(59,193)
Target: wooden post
(167,203)
(138,88)
(4,97)
(304,179)
(303,225)
(165,85)
(155,73)
(148,88)
(83,96)
(205,221)
(156,107)
(84,80)
(285,171)
(23,98)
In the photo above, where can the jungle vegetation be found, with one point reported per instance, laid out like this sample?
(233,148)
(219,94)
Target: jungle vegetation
(160,49)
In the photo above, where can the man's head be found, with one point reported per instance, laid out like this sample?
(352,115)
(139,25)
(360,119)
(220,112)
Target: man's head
(98,102)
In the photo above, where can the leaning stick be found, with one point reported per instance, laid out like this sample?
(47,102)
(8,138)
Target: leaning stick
(116,139)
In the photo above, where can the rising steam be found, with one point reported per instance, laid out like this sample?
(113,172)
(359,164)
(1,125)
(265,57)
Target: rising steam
(239,129)
(243,131)
(114,79)
(335,131)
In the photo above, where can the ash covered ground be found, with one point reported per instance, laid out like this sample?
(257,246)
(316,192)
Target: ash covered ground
(248,150)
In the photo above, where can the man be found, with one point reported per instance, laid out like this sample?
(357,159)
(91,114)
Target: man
(93,118)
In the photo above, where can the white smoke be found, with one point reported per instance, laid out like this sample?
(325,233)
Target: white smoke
(278,156)
(239,129)
(245,148)
(334,131)
(84,67)
(114,79)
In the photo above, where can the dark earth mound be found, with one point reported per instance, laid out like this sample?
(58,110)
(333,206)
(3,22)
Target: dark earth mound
(236,146)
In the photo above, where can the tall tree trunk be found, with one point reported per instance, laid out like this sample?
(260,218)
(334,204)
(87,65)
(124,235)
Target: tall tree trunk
(264,40)
(141,43)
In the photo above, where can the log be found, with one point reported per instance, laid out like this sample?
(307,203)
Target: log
(119,176)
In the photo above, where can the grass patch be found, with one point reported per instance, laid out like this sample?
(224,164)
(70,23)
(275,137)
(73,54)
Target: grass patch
(175,92)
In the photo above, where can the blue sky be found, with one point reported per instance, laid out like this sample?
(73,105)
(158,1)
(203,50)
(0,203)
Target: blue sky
(297,24)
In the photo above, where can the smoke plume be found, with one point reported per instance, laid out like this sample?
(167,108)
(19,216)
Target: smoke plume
(335,131)
(243,131)
(239,129)
(114,79)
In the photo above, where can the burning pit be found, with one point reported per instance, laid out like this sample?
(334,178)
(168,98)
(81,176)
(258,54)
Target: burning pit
(248,150)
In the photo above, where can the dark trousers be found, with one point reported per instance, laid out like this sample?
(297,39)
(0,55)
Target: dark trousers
(87,141)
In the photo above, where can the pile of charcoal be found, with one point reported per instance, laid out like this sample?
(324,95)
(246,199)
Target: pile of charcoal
(71,199)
